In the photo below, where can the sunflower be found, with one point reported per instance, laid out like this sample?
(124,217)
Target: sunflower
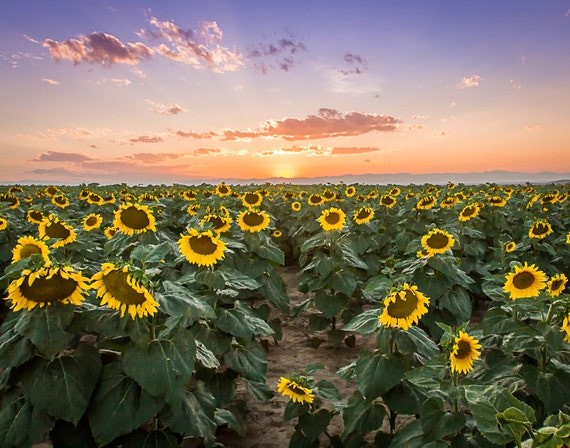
(34,216)
(350,191)
(92,221)
(549,198)
(45,286)
(497,201)
(223,190)
(426,202)
(110,232)
(133,219)
(28,246)
(540,229)
(118,289)
(469,212)
(329,195)
(296,206)
(525,281)
(404,308)
(556,285)
(295,391)
(566,328)
(52,227)
(510,246)
(192,209)
(277,233)
(60,200)
(83,195)
(253,220)
(394,191)
(437,242)
(387,201)
(202,248)
(448,201)
(189,195)
(51,190)
(95,198)
(373,194)
(11,199)
(568,238)
(251,199)
(220,224)
(464,352)
(3,223)
(332,219)
(315,199)
(363,215)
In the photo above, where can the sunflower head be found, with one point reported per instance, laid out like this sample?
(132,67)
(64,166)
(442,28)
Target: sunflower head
(363,215)
(540,229)
(332,219)
(315,199)
(566,328)
(524,282)
(555,286)
(52,228)
(252,199)
(46,285)
(296,206)
(134,219)
(3,223)
(60,200)
(464,352)
(469,212)
(496,201)
(437,241)
(92,221)
(28,246)
(202,248)
(350,191)
(119,289)
(34,216)
(426,202)
(295,390)
(223,190)
(219,223)
(387,201)
(277,233)
(253,220)
(510,246)
(404,308)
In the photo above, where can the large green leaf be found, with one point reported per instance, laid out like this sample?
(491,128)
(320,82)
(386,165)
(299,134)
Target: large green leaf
(46,327)
(497,321)
(119,405)
(458,302)
(242,322)
(271,252)
(343,281)
(249,360)
(330,304)
(190,418)
(152,253)
(446,265)
(273,288)
(236,280)
(415,340)
(437,423)
(177,300)
(314,424)
(377,373)
(160,438)
(63,386)
(163,367)
(212,279)
(15,349)
(551,387)
(361,416)
(21,424)
(366,322)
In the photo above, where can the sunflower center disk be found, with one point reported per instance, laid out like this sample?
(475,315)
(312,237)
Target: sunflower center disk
(251,198)
(523,280)
(53,289)
(437,241)
(117,285)
(297,390)
(468,211)
(463,350)
(253,219)
(134,218)
(539,229)
(91,221)
(332,218)
(28,250)
(403,307)
(57,230)
(363,214)
(202,245)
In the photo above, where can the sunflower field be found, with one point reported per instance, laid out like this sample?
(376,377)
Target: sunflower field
(139,316)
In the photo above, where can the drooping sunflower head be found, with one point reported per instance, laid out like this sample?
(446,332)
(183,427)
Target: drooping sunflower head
(92,221)
(315,199)
(510,246)
(448,201)
(387,201)
(566,328)
(253,220)
(52,227)
(329,195)
(464,352)
(404,308)
(51,190)
(189,195)
(555,286)
(350,191)
(296,206)
(95,198)
(332,219)
(395,191)
(34,216)
(3,223)
(540,229)
(549,198)
(252,199)
(496,201)
(60,200)
(426,202)
(437,241)
(294,390)
(363,215)
(47,285)
(119,289)
(11,199)
(219,223)
(223,190)
(192,209)
(469,212)
(524,282)
(134,219)
(28,246)
(202,248)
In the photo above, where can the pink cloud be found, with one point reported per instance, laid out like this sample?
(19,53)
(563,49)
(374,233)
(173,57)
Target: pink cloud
(279,55)
(166,109)
(55,133)
(146,139)
(51,82)
(196,135)
(354,150)
(56,156)
(98,48)
(471,81)
(536,127)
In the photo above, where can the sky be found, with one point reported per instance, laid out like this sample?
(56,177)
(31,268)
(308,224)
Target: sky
(172,91)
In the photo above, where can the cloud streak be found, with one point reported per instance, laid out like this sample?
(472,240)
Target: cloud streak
(471,81)
(281,54)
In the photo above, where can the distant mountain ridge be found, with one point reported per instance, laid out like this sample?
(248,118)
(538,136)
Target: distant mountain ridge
(474,178)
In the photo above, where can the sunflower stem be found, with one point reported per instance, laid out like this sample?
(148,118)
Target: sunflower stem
(455,382)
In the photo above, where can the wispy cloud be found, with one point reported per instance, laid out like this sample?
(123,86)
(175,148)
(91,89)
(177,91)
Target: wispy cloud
(471,81)
(318,150)
(146,139)
(534,127)
(52,82)
(165,109)
(55,133)
(356,64)
(57,156)
(352,150)
(281,54)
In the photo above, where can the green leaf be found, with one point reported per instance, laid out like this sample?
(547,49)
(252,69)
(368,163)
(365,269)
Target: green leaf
(551,387)
(152,253)
(320,239)
(226,417)
(378,373)
(415,340)
(163,367)
(273,288)
(446,266)
(365,323)
(177,300)
(350,257)
(249,360)
(330,304)
(514,421)
(430,375)
(458,302)
(437,423)
(271,252)
(343,281)
(190,418)
(327,390)
(155,439)
(361,416)
(497,321)
(119,405)
(314,424)
(241,322)
(237,280)
(63,387)
(212,279)
(15,349)
(45,327)
(21,424)
(205,356)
